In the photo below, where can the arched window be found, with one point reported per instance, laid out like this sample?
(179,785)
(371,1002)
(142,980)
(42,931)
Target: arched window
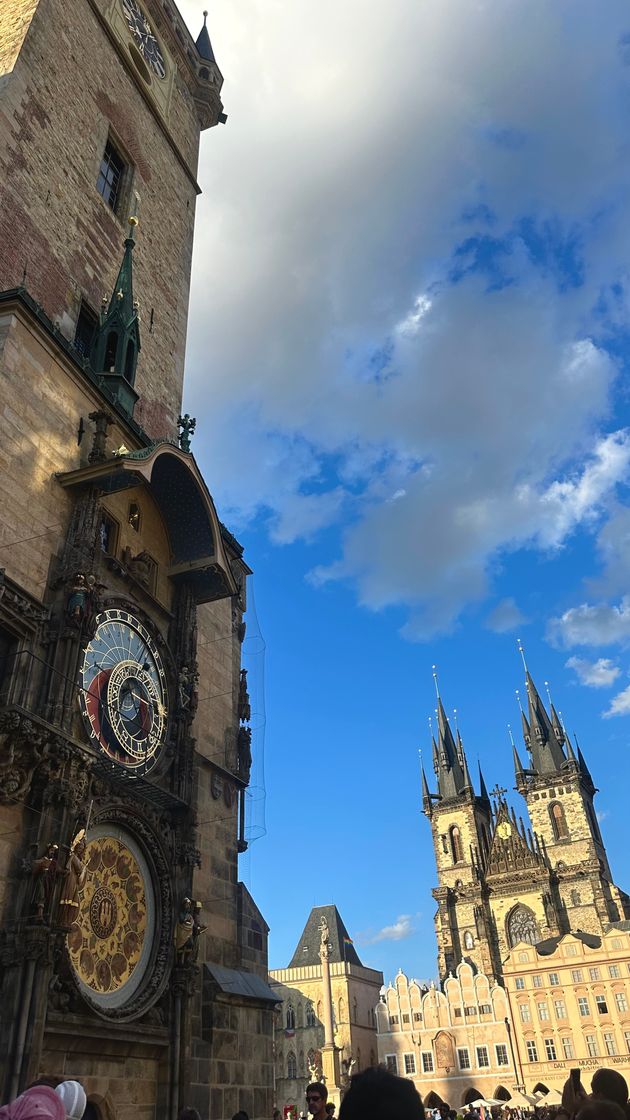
(300,1015)
(110,352)
(469,941)
(310,1016)
(319,1010)
(522,926)
(291,1066)
(558,821)
(457,850)
(342,1011)
(129,360)
(290,1018)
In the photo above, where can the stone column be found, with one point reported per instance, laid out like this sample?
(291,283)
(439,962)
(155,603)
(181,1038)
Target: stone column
(330,1052)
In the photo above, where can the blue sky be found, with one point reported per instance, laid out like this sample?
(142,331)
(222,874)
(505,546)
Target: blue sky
(408,358)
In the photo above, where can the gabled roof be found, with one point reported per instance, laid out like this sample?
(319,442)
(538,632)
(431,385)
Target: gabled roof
(510,848)
(307,949)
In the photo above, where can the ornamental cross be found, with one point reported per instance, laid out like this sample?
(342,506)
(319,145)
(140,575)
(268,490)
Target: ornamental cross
(498,791)
(187,424)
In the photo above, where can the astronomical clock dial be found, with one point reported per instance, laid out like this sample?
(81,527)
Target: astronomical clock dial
(145,40)
(110,941)
(123,692)
(504,830)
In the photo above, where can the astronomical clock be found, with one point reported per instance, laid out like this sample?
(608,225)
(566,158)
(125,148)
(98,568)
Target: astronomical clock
(142,45)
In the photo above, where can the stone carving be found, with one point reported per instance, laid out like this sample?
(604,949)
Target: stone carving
(244,753)
(187,689)
(244,708)
(102,421)
(141,566)
(75,874)
(187,931)
(44,872)
(324,940)
(84,603)
(23,744)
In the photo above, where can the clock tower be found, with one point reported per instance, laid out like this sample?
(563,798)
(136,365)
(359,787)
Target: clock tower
(131,958)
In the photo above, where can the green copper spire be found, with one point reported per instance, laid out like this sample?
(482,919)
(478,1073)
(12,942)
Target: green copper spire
(116,345)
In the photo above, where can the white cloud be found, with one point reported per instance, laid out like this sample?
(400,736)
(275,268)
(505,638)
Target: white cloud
(597,624)
(597,674)
(505,616)
(602,815)
(400,929)
(619,705)
(338,354)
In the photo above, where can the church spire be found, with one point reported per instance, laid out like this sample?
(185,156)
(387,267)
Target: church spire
(116,343)
(451,779)
(426,796)
(203,44)
(546,749)
(483,789)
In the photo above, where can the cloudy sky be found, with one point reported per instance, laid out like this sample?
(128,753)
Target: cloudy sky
(408,359)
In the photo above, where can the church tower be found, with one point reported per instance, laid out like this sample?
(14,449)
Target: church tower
(558,789)
(132,959)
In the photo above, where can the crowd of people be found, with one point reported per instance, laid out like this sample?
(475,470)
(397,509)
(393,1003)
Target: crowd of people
(374,1094)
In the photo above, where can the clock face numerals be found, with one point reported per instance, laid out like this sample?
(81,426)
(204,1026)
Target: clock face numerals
(123,691)
(146,41)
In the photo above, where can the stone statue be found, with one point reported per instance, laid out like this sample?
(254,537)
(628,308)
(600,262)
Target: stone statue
(44,871)
(187,931)
(74,876)
(244,707)
(244,753)
(187,689)
(324,939)
(77,600)
(141,567)
(187,424)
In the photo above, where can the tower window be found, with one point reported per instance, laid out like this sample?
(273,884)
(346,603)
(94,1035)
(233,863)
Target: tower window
(457,850)
(85,328)
(469,941)
(558,821)
(290,1019)
(291,1066)
(522,926)
(111,175)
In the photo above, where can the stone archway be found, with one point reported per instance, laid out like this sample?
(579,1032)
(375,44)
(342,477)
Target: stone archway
(540,1087)
(501,1093)
(471,1095)
(432,1100)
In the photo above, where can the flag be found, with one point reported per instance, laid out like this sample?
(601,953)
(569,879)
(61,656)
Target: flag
(347,941)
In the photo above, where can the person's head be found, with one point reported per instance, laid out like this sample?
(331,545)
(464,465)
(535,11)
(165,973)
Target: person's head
(599,1108)
(443,1110)
(330,1109)
(316,1097)
(240,1115)
(189,1114)
(73,1098)
(376,1094)
(609,1085)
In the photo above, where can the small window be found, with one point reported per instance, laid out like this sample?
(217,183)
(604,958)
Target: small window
(626,1038)
(520,983)
(554,979)
(463,1057)
(410,1063)
(427,1061)
(560,1008)
(614,971)
(538,981)
(571,951)
(558,821)
(111,175)
(595,973)
(290,1019)
(550,1049)
(532,1053)
(609,1042)
(524,1013)
(87,323)
(567,1048)
(483,1061)
(417,1017)
(485,1009)
(543,1012)
(583,1006)
(602,1005)
(591,1045)
(621,1001)
(502,1054)
(391,1062)
(291,1066)
(576,975)
(469,941)
(394,1020)
(134,517)
(108,534)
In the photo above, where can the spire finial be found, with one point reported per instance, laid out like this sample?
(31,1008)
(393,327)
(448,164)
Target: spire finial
(205,18)
(509,727)
(518,697)
(435,681)
(522,653)
(548,691)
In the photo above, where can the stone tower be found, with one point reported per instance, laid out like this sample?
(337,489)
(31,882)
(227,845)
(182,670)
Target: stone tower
(132,958)
(501,881)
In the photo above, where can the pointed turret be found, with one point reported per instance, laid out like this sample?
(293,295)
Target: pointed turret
(546,750)
(116,343)
(584,768)
(467,786)
(450,775)
(518,766)
(426,796)
(483,789)
(203,44)
(436,761)
(558,729)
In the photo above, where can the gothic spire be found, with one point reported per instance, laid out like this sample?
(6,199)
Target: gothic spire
(426,796)
(546,750)
(203,44)
(116,343)
(518,766)
(483,789)
(450,775)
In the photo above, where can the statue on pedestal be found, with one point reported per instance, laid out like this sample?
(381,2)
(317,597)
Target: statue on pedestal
(44,871)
